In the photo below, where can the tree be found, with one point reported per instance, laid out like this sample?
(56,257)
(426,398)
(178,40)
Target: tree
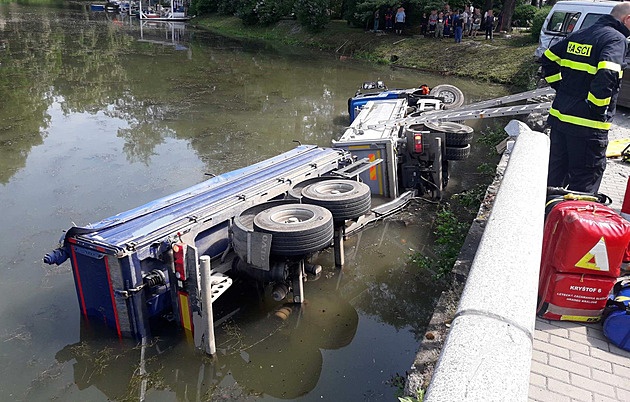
(506,12)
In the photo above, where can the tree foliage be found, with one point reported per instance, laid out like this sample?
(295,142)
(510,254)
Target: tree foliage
(538,22)
(312,14)
(523,15)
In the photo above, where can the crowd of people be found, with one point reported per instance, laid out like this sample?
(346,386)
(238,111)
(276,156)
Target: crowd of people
(442,23)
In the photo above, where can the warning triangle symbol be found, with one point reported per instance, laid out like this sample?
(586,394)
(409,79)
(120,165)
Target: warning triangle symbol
(596,259)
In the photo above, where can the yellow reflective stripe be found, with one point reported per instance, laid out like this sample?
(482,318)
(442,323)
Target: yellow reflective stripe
(597,101)
(576,65)
(553,78)
(622,298)
(609,65)
(579,121)
(620,74)
(549,54)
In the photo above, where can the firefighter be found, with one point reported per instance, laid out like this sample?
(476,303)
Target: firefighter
(585,69)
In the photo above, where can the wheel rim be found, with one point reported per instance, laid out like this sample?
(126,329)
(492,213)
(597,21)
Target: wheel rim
(448,96)
(292,217)
(333,188)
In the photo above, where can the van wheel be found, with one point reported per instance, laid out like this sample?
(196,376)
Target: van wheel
(345,199)
(457,153)
(453,96)
(297,229)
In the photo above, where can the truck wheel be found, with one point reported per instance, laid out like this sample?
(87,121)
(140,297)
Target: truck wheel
(297,229)
(453,96)
(457,153)
(345,199)
(295,192)
(244,224)
(455,134)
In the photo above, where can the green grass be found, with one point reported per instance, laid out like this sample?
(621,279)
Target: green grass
(504,60)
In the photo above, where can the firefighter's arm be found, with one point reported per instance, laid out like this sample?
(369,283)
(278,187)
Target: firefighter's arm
(607,77)
(551,62)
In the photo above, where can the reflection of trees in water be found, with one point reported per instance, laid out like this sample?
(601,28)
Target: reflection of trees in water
(382,284)
(45,58)
(24,94)
(229,100)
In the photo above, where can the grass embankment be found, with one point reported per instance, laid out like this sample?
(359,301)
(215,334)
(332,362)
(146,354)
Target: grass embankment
(504,60)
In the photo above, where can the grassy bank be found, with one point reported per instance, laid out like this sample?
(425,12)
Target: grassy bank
(504,60)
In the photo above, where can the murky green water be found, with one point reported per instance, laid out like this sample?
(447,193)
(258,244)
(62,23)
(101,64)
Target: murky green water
(98,115)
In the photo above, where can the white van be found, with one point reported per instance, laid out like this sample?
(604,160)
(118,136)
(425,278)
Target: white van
(570,16)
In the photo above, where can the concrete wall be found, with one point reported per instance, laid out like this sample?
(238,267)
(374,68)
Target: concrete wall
(487,354)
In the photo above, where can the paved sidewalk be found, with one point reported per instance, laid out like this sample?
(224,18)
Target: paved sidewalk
(574,361)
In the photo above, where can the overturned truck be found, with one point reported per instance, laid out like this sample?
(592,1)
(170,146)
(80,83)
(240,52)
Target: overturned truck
(173,257)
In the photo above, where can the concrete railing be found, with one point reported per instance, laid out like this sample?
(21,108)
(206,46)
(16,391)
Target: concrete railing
(487,354)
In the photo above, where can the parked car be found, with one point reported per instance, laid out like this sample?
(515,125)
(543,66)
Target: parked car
(569,16)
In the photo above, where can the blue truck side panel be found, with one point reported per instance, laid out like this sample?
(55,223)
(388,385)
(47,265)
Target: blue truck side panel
(355,104)
(160,214)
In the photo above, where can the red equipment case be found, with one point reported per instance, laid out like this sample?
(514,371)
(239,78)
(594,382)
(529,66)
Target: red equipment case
(583,246)
(574,297)
(585,238)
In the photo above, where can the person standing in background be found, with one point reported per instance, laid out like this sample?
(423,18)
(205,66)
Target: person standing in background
(400,20)
(466,17)
(458,26)
(432,22)
(448,23)
(489,24)
(389,19)
(439,26)
(376,18)
(476,23)
(424,22)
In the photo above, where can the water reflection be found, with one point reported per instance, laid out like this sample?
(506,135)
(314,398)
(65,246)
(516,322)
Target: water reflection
(99,115)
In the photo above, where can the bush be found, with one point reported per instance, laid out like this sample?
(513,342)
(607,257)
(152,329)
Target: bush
(523,15)
(538,20)
(270,11)
(245,10)
(227,7)
(312,14)
(200,7)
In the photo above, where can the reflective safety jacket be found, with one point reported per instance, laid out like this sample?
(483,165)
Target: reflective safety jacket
(585,69)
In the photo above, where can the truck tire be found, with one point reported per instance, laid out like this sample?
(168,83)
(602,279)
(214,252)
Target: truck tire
(453,96)
(244,224)
(457,153)
(345,199)
(295,192)
(297,229)
(455,134)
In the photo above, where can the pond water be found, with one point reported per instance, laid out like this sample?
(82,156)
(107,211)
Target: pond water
(100,114)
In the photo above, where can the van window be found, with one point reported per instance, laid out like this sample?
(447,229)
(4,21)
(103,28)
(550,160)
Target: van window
(562,22)
(589,20)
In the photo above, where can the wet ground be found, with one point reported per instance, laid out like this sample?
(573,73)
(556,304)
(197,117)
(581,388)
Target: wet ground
(100,114)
